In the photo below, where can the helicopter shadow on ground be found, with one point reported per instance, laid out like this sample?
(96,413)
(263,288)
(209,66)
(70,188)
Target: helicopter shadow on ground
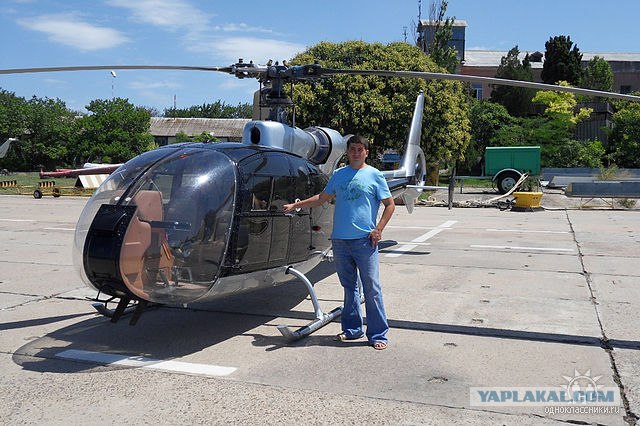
(168,332)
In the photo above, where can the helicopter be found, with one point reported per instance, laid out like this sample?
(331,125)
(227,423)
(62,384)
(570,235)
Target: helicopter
(193,222)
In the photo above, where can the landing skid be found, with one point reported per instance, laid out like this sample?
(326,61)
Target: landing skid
(125,307)
(321,320)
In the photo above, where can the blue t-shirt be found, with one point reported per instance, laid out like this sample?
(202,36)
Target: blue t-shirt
(358,194)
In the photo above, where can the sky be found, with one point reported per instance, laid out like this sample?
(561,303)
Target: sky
(45,33)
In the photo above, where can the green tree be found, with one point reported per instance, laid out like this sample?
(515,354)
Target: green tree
(217,109)
(517,100)
(598,75)
(381,108)
(562,62)
(560,107)
(525,131)
(624,138)
(553,132)
(115,129)
(486,119)
(12,115)
(573,153)
(12,125)
(202,137)
(51,129)
(558,148)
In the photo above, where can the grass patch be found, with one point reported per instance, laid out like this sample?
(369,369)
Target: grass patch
(477,183)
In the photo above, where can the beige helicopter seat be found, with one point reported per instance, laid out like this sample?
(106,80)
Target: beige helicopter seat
(145,258)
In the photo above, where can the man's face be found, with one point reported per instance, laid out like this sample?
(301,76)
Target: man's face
(357,154)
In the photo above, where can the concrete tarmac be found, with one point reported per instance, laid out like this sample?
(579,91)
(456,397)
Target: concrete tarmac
(476,298)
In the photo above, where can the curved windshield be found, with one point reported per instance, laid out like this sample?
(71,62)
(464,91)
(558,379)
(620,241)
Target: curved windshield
(174,245)
(109,193)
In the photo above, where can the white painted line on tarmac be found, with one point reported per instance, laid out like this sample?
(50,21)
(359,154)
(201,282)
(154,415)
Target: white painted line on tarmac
(527,231)
(17,220)
(146,363)
(421,239)
(60,229)
(520,248)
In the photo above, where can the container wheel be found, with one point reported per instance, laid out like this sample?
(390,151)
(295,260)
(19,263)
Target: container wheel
(56,192)
(506,181)
(37,194)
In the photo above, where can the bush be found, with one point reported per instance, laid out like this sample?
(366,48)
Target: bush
(574,153)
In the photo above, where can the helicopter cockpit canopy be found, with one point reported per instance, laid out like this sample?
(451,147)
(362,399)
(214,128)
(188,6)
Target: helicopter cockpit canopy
(158,227)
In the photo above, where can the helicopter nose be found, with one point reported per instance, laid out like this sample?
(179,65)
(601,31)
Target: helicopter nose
(165,242)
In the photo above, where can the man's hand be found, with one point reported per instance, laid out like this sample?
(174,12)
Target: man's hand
(375,236)
(288,208)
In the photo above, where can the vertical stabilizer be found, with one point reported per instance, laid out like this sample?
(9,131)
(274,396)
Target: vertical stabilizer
(412,164)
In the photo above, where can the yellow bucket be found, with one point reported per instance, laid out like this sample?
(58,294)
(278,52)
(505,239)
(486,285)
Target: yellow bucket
(529,200)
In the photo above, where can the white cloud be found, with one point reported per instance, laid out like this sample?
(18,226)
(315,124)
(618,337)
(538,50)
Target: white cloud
(199,31)
(231,27)
(259,50)
(153,91)
(56,82)
(168,14)
(71,31)
(153,85)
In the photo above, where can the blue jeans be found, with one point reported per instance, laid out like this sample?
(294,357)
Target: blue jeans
(351,256)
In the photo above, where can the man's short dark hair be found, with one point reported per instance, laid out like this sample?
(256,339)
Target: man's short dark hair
(358,139)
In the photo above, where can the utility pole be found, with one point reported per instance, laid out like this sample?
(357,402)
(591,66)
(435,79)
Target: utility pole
(113,79)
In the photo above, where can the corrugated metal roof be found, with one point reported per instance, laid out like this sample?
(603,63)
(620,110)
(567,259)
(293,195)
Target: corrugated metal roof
(491,58)
(217,127)
(455,23)
(612,56)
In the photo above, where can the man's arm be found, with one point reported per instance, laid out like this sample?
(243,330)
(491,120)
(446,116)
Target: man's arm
(389,208)
(315,201)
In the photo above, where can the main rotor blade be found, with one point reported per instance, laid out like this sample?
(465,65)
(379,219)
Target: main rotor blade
(241,70)
(488,80)
(114,67)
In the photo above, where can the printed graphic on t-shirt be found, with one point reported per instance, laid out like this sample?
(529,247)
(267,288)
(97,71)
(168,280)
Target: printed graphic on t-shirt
(354,190)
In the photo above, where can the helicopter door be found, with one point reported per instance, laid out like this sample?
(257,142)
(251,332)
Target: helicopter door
(253,238)
(300,243)
(281,226)
(266,237)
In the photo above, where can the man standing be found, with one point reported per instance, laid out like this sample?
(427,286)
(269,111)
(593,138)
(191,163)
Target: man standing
(358,189)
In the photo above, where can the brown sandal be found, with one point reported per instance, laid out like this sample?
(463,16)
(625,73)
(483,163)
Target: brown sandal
(379,346)
(342,337)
